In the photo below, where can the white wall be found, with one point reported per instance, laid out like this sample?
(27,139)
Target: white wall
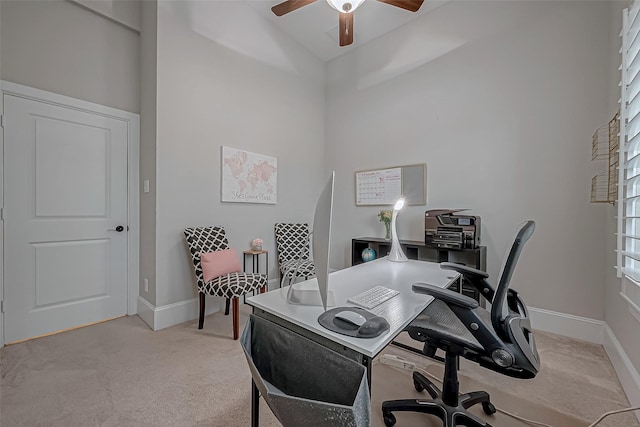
(63,48)
(244,85)
(125,12)
(1,199)
(500,99)
(148,126)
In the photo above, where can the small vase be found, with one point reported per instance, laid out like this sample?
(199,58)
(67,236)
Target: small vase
(388,227)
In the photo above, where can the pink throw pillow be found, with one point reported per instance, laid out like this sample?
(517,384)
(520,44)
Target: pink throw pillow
(218,263)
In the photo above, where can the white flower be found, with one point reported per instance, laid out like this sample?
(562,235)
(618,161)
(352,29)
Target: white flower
(385,215)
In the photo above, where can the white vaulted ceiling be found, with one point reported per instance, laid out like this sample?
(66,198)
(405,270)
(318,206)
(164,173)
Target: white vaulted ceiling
(315,26)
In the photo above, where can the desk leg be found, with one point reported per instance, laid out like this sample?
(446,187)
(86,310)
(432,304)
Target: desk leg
(366,362)
(255,405)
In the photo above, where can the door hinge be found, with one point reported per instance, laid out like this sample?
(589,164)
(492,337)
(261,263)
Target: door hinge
(1,214)
(1,306)
(1,120)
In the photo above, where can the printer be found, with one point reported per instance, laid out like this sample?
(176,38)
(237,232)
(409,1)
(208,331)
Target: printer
(446,229)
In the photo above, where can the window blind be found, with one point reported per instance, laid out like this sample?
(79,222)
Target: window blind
(628,241)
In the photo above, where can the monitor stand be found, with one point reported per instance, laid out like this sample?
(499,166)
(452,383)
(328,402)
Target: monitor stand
(299,296)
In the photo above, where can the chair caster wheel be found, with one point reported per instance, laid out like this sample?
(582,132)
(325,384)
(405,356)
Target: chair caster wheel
(418,386)
(488,408)
(389,419)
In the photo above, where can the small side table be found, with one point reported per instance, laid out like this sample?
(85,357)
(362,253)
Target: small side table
(255,258)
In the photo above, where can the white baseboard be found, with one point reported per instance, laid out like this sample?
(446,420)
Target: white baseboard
(173,314)
(582,328)
(597,332)
(145,311)
(184,311)
(568,325)
(627,373)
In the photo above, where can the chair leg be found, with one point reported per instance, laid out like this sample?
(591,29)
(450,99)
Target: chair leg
(236,317)
(201,320)
(420,382)
(451,416)
(412,405)
(226,307)
(467,400)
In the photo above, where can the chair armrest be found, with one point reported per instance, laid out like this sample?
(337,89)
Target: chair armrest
(445,295)
(469,272)
(477,278)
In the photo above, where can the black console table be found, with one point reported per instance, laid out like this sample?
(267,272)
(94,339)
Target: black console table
(415,249)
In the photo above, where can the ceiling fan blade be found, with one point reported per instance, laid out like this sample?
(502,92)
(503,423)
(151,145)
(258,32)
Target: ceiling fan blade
(346,29)
(289,6)
(410,5)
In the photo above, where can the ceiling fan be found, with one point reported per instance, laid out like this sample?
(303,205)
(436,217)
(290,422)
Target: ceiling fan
(346,8)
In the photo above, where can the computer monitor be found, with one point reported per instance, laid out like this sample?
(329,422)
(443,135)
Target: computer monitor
(321,236)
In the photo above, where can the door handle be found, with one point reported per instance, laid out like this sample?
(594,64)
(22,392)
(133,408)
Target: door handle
(119,229)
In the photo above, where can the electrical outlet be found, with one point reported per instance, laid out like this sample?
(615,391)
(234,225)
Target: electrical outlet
(397,362)
(146,285)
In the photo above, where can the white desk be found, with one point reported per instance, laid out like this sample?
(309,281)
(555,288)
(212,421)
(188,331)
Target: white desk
(399,310)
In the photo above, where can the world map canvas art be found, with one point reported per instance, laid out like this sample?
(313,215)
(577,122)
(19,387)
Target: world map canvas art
(248,177)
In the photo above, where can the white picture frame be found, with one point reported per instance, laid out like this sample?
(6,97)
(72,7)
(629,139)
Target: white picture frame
(248,177)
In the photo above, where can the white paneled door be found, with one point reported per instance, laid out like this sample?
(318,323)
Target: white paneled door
(65,218)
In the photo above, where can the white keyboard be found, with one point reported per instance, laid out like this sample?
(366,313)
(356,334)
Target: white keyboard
(373,297)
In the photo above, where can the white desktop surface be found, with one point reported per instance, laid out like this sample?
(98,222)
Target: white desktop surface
(399,310)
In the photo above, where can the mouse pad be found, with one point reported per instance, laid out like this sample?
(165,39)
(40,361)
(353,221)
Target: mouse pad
(373,327)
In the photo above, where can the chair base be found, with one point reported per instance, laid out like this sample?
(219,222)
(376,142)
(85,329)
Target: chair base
(451,415)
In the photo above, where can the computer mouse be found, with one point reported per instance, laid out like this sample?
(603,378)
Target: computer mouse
(373,327)
(351,317)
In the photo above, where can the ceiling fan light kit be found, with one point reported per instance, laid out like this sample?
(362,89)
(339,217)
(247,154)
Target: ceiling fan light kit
(346,8)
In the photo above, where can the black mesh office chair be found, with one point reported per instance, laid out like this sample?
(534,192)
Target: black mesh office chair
(500,340)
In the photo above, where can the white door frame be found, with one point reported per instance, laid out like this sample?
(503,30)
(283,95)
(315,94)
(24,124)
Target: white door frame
(133,180)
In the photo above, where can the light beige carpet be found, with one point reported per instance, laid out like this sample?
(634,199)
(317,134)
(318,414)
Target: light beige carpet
(575,385)
(120,373)
(398,384)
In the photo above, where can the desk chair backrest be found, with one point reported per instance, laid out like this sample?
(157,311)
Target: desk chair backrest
(499,303)
(509,315)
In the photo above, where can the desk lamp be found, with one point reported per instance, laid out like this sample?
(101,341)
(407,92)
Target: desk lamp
(396,253)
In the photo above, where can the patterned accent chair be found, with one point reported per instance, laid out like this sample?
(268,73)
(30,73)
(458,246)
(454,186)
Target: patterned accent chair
(230,286)
(292,245)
